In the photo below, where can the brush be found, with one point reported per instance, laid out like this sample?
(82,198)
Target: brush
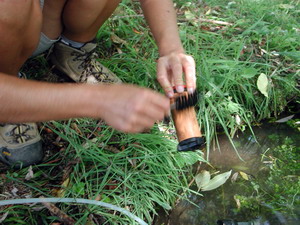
(185,101)
(184,116)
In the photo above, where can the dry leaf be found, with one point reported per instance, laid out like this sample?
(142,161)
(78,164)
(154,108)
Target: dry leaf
(189,15)
(244,175)
(59,213)
(61,192)
(136,31)
(285,119)
(238,119)
(29,174)
(3,217)
(238,203)
(286,6)
(234,177)
(117,39)
(14,191)
(119,51)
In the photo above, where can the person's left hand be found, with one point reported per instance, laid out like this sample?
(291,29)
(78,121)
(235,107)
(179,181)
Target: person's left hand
(176,69)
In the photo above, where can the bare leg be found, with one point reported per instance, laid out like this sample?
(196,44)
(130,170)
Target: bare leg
(52,18)
(83,18)
(20,26)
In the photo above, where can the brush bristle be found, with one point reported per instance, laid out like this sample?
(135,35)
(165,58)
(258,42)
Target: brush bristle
(186,101)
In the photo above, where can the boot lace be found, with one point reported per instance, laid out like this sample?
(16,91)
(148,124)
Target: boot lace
(90,67)
(20,134)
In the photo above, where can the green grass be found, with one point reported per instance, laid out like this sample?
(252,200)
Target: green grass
(147,173)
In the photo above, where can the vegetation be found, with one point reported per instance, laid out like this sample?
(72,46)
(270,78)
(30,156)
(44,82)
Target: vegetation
(276,188)
(233,43)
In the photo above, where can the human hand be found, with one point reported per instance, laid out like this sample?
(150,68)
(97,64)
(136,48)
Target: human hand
(132,109)
(170,70)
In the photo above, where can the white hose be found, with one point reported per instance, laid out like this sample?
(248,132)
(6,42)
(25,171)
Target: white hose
(73,200)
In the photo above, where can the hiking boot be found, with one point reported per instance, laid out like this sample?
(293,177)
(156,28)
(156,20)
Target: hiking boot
(20,144)
(81,64)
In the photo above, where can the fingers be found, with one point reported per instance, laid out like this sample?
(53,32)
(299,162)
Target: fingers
(176,68)
(135,109)
(160,103)
(189,68)
(170,70)
(162,77)
(142,115)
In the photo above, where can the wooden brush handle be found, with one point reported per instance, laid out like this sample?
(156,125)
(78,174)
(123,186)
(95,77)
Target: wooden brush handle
(185,121)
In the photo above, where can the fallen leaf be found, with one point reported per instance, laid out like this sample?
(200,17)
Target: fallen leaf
(14,191)
(29,174)
(234,177)
(238,119)
(286,6)
(208,12)
(202,179)
(136,31)
(119,51)
(244,175)
(61,192)
(285,119)
(189,15)
(98,198)
(59,213)
(48,130)
(238,203)
(117,39)
(249,72)
(262,84)
(3,217)
(111,185)
(217,181)
(76,128)
(132,162)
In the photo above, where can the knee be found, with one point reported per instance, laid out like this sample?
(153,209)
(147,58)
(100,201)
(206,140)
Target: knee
(20,20)
(14,14)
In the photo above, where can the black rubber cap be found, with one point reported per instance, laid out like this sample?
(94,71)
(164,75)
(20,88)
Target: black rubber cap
(227,222)
(191,144)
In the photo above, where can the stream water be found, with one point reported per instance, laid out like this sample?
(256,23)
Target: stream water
(219,206)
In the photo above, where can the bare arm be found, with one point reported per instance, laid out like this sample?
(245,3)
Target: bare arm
(124,107)
(173,61)
(31,101)
(161,17)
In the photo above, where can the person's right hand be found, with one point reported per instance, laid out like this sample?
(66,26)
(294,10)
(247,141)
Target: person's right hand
(132,109)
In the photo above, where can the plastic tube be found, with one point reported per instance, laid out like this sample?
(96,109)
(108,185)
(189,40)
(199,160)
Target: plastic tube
(73,200)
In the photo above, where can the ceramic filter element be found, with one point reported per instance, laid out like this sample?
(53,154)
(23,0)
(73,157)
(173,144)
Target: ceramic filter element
(186,125)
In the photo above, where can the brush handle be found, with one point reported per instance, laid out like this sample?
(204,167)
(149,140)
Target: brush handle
(186,124)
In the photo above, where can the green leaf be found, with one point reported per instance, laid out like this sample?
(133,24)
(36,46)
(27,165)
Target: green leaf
(233,107)
(202,179)
(78,188)
(249,72)
(262,84)
(187,158)
(105,198)
(217,181)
